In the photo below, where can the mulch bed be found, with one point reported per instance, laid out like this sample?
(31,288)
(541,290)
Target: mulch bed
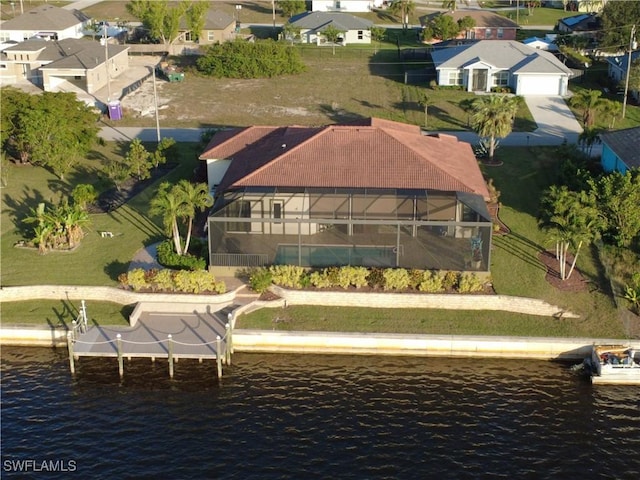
(114,198)
(575,283)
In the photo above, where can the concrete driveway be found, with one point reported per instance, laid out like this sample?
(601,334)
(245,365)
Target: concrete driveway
(554,118)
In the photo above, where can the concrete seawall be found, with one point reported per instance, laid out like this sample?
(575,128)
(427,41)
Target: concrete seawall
(339,343)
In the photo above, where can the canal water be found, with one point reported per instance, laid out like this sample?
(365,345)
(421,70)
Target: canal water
(313,417)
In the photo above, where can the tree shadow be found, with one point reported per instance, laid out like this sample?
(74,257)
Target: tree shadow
(115,269)
(20,208)
(338,116)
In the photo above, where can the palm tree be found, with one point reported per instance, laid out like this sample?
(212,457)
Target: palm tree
(167,204)
(611,109)
(589,102)
(194,197)
(452,4)
(587,139)
(424,102)
(377,35)
(571,219)
(404,8)
(493,117)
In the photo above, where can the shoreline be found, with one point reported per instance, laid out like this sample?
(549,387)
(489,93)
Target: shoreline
(351,343)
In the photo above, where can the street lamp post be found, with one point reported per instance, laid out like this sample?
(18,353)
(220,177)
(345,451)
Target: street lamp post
(626,82)
(238,8)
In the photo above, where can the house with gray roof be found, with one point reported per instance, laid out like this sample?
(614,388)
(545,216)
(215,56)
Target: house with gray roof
(50,64)
(218,27)
(312,24)
(46,21)
(487,64)
(620,150)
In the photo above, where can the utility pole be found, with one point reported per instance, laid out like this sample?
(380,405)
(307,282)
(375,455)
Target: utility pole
(632,44)
(106,61)
(518,12)
(155,102)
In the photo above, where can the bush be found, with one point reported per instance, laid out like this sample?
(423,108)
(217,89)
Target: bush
(432,282)
(396,279)
(168,258)
(287,275)
(469,283)
(450,280)
(260,279)
(375,279)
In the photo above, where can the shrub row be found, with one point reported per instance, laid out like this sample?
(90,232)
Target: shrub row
(395,279)
(167,257)
(167,280)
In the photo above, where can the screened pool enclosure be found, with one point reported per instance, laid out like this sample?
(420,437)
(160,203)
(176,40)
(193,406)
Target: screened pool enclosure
(368,227)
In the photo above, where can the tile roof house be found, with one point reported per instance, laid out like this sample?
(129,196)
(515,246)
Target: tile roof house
(371,192)
(489,25)
(620,150)
(46,21)
(501,63)
(49,64)
(312,24)
(218,27)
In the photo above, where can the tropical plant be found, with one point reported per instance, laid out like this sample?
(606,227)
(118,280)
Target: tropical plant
(84,194)
(493,118)
(195,197)
(587,139)
(161,19)
(452,5)
(57,226)
(612,110)
(590,103)
(138,159)
(404,9)
(571,219)
(424,101)
(168,205)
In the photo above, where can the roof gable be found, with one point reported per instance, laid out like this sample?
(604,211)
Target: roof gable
(321,20)
(213,20)
(502,54)
(363,154)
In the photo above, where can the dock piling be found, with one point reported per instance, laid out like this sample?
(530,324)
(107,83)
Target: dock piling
(120,358)
(227,350)
(218,356)
(170,355)
(72,365)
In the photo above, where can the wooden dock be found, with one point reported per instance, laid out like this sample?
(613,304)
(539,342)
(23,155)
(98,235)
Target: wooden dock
(201,335)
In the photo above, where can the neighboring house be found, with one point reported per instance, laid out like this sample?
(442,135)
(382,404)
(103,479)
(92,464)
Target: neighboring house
(372,192)
(585,24)
(480,66)
(489,25)
(345,5)
(49,64)
(218,28)
(620,150)
(47,22)
(590,6)
(618,69)
(545,44)
(312,24)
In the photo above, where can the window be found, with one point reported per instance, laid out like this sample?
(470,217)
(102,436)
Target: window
(241,209)
(500,32)
(455,78)
(211,36)
(501,79)
(360,34)
(338,5)
(487,33)
(277,209)
(187,37)
(4,37)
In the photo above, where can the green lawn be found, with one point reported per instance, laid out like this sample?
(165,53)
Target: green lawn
(538,16)
(97,261)
(62,312)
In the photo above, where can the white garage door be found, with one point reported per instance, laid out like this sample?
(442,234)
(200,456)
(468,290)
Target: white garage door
(539,85)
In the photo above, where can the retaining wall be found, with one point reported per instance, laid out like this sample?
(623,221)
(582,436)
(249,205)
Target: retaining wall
(530,306)
(33,336)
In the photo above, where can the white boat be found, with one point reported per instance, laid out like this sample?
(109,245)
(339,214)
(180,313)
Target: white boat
(613,364)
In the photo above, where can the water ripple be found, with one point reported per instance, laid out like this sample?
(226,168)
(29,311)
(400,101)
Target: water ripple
(287,416)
